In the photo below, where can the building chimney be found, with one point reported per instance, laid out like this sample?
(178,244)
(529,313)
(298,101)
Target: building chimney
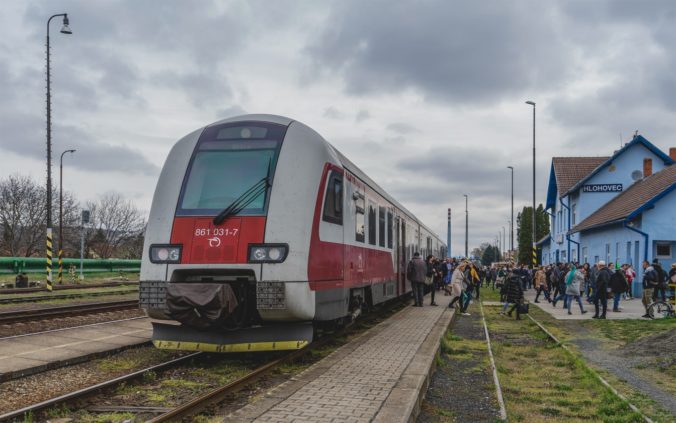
(672,153)
(647,167)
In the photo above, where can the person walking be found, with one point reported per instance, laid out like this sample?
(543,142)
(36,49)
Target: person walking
(541,284)
(672,277)
(593,274)
(574,282)
(431,276)
(618,285)
(601,293)
(649,284)
(513,295)
(561,288)
(415,272)
(456,285)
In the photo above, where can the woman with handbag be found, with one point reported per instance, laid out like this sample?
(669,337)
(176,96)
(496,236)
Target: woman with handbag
(574,282)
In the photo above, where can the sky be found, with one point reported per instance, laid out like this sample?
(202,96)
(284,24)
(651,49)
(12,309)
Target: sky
(426,97)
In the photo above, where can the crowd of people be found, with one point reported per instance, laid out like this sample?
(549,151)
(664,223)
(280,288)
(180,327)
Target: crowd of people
(567,283)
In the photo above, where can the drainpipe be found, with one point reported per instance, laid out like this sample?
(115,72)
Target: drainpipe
(645,253)
(568,229)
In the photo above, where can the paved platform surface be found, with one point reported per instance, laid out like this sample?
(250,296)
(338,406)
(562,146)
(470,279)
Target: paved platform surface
(29,354)
(380,377)
(629,309)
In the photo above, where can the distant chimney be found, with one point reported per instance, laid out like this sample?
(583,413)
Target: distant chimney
(672,153)
(647,167)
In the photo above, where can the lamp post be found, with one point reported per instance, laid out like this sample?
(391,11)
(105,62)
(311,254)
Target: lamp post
(509,225)
(64,30)
(511,221)
(532,103)
(466,227)
(500,245)
(61,216)
(504,241)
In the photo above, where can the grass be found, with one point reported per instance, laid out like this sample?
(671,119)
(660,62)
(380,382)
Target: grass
(541,382)
(89,278)
(629,330)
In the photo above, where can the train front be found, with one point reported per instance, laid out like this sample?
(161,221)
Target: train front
(206,244)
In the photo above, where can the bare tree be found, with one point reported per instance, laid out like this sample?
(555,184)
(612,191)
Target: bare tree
(115,222)
(22,216)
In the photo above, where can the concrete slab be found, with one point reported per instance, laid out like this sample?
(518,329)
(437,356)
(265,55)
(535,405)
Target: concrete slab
(629,309)
(382,376)
(38,352)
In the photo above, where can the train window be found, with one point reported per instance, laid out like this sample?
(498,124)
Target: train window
(333,203)
(372,224)
(359,216)
(389,229)
(381,226)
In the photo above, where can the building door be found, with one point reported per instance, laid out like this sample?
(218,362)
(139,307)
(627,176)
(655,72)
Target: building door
(637,259)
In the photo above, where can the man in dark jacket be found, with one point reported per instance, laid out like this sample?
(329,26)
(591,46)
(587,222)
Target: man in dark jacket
(649,285)
(618,285)
(601,296)
(415,272)
(513,295)
(661,287)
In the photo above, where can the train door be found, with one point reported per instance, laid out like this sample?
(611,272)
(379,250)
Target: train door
(403,260)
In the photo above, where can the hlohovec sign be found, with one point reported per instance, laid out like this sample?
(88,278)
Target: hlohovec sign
(602,188)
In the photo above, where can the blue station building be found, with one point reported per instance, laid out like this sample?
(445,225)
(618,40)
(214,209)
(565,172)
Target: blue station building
(620,209)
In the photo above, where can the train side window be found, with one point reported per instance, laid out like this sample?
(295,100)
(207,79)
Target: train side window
(359,217)
(381,226)
(372,224)
(389,229)
(333,203)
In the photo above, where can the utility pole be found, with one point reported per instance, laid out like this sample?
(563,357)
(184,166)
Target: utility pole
(466,228)
(532,103)
(448,235)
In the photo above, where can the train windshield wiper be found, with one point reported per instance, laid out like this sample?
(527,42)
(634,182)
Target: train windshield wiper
(246,198)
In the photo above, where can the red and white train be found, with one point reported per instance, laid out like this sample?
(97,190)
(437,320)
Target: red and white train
(259,228)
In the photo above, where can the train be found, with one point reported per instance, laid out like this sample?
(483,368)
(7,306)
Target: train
(260,231)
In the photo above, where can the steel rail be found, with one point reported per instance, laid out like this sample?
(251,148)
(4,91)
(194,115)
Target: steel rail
(9,291)
(71,310)
(594,372)
(23,412)
(19,300)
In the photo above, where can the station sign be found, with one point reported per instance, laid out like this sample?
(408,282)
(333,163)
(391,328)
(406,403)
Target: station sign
(602,188)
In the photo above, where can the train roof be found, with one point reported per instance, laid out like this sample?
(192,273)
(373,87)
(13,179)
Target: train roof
(347,163)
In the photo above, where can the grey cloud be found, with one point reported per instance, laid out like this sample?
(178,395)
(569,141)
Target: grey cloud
(204,89)
(453,51)
(362,115)
(402,128)
(333,113)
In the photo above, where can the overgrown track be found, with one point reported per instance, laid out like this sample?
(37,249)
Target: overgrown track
(66,287)
(72,310)
(19,300)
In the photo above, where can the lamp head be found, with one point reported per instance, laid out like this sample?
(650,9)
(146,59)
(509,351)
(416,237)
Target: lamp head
(66,29)
(532,103)
(510,167)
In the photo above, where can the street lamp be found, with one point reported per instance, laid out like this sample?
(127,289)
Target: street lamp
(511,221)
(61,216)
(532,103)
(466,227)
(504,241)
(65,29)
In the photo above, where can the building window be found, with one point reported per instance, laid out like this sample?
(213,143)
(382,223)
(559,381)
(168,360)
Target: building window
(372,224)
(573,254)
(663,250)
(585,255)
(629,261)
(608,254)
(573,211)
(563,256)
(381,226)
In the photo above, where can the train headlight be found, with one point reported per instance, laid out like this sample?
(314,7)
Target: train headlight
(268,253)
(165,253)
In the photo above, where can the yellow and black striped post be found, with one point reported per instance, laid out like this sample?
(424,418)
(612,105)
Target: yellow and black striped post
(60,277)
(535,256)
(49,259)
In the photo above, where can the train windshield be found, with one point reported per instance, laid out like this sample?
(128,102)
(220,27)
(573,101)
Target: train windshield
(227,162)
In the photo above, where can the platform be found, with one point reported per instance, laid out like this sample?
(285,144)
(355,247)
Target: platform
(381,376)
(29,354)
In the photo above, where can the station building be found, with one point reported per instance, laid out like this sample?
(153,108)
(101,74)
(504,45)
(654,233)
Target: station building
(620,209)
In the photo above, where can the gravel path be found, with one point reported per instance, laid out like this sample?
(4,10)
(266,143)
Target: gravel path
(462,388)
(620,365)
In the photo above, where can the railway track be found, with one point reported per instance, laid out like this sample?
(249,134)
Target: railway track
(193,406)
(568,351)
(9,291)
(72,310)
(19,300)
